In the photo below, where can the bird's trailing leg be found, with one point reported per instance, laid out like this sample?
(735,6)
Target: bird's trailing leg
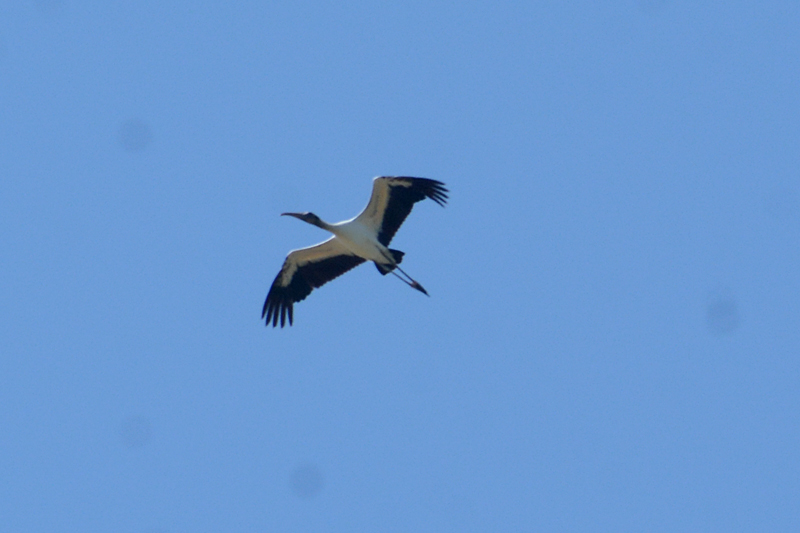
(412,283)
(397,257)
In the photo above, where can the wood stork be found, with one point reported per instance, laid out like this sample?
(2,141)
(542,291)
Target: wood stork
(363,238)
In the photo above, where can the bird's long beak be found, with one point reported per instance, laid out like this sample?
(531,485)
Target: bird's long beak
(295,215)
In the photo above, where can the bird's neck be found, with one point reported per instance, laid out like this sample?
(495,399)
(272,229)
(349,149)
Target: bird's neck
(322,224)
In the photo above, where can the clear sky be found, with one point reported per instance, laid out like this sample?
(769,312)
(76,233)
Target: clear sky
(612,341)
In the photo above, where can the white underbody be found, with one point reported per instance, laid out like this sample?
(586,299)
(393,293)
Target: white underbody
(360,240)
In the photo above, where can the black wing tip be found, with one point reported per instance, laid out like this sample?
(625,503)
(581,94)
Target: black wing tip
(277,308)
(436,191)
(433,189)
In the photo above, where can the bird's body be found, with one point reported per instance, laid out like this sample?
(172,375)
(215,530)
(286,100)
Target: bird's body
(363,238)
(361,241)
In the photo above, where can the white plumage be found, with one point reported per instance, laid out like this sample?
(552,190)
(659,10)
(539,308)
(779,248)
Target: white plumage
(363,238)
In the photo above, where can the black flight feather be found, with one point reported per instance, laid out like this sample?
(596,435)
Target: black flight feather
(402,199)
(281,298)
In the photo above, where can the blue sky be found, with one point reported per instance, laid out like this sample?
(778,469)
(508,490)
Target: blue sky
(611,341)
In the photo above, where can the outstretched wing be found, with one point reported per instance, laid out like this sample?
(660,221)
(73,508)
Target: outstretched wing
(392,200)
(303,271)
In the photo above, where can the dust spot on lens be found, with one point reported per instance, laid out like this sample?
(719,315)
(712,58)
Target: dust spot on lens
(135,432)
(306,481)
(722,314)
(652,6)
(134,135)
(49,8)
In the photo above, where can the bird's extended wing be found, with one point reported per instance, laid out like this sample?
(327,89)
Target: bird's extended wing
(392,200)
(303,271)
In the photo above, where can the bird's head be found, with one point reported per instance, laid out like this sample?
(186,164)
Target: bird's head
(311,218)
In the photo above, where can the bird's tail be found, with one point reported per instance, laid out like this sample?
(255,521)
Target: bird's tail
(397,255)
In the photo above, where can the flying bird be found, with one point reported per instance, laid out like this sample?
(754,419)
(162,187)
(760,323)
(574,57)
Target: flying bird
(363,238)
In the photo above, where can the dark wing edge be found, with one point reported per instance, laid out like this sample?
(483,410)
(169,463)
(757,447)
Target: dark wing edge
(281,298)
(402,199)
